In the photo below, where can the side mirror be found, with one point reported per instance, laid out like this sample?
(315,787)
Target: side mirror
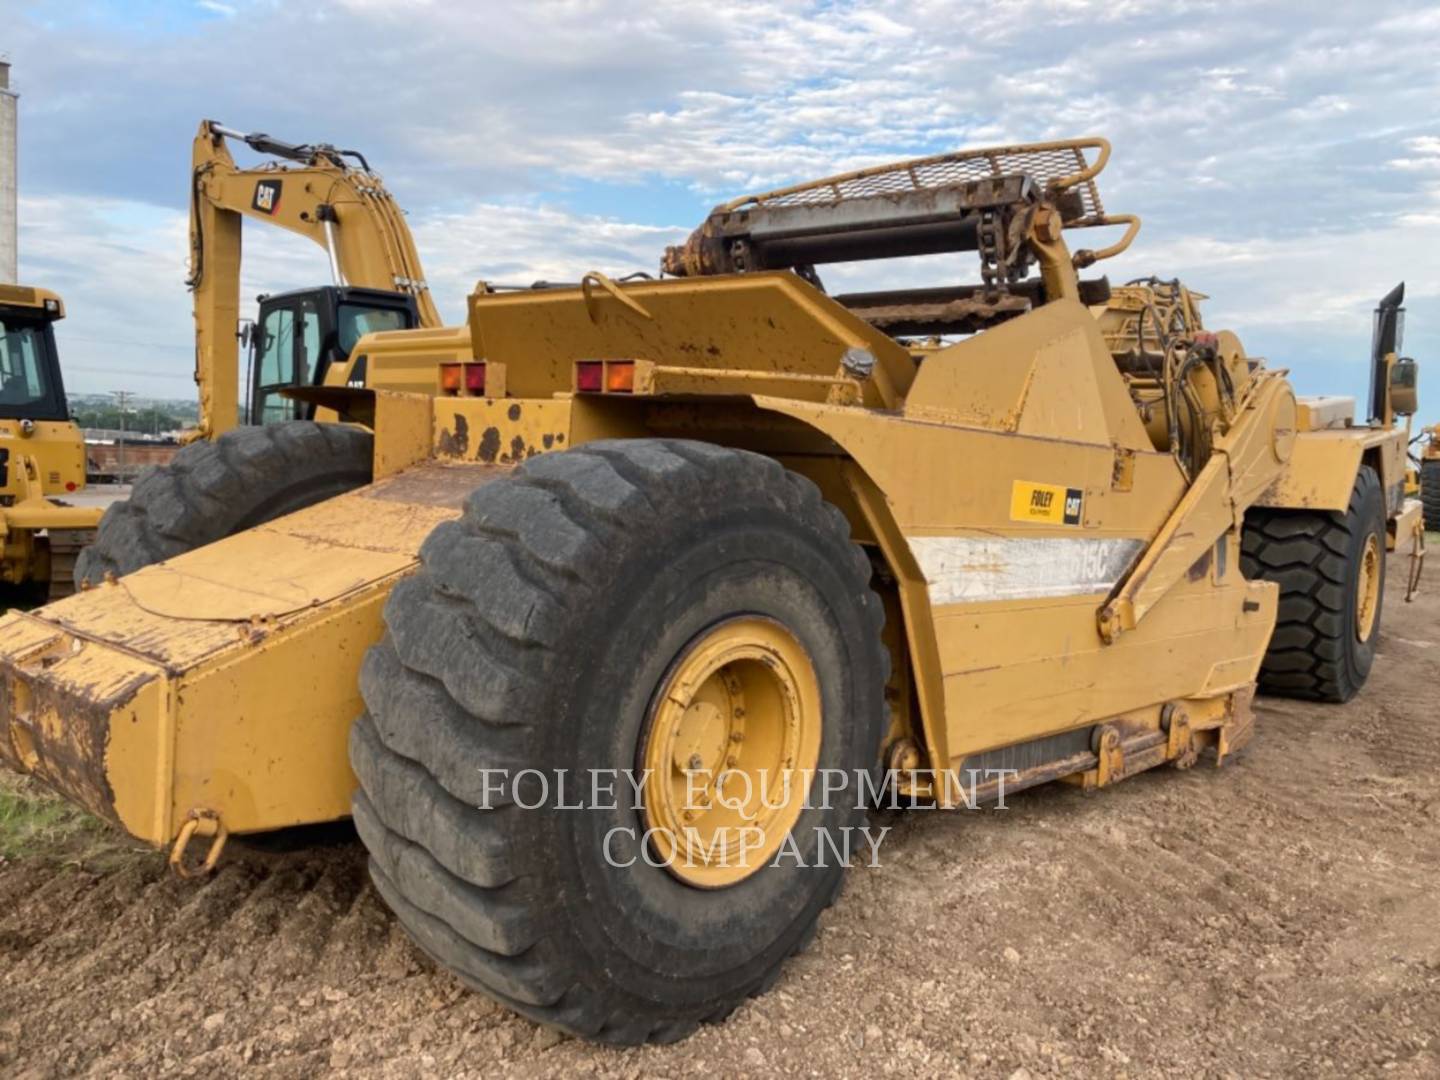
(245,332)
(1405,387)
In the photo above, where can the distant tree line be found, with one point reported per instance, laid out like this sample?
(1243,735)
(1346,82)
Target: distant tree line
(149,420)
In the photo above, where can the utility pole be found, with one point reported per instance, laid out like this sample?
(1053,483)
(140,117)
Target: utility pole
(122,397)
(9,243)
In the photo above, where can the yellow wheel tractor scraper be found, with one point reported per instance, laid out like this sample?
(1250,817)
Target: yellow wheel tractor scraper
(622,628)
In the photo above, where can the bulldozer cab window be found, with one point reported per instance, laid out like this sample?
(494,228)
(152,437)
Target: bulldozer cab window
(289,349)
(29,386)
(357,320)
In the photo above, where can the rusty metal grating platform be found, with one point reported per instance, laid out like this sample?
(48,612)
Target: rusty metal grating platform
(1059,166)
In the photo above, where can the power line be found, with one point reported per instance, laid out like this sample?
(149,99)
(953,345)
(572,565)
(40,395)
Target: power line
(141,373)
(123,341)
(123,397)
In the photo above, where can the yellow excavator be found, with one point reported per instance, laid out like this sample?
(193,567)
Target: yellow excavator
(42,454)
(303,337)
(299,346)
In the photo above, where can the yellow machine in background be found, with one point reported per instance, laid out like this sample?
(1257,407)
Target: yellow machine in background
(299,341)
(722,550)
(42,454)
(329,196)
(1427,477)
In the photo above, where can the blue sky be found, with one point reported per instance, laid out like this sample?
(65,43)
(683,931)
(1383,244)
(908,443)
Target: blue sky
(1284,156)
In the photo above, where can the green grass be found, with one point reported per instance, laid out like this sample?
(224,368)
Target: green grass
(37,826)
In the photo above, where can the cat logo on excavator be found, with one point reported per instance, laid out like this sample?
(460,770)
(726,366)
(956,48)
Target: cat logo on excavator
(267,196)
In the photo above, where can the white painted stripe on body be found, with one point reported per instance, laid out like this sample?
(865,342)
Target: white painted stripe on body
(966,569)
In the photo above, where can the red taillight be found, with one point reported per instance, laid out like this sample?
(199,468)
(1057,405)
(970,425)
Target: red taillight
(475,378)
(589,375)
(69,485)
(450,378)
(620,377)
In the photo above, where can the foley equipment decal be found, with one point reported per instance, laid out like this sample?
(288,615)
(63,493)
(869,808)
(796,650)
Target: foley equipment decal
(1047,504)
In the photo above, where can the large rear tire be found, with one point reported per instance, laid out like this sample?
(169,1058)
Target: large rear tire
(211,490)
(561,625)
(1331,571)
(1430,494)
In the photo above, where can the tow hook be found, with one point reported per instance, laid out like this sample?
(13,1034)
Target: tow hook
(198,823)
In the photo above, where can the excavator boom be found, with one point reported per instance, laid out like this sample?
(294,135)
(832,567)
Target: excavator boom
(330,196)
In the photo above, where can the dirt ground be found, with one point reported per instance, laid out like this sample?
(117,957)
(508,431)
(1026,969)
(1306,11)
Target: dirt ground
(1278,916)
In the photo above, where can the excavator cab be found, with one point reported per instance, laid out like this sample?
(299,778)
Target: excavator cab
(299,335)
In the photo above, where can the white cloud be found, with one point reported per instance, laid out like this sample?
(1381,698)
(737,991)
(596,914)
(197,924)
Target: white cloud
(1426,149)
(1283,156)
(120,267)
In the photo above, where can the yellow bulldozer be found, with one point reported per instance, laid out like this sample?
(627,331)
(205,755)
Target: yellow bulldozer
(42,454)
(611,639)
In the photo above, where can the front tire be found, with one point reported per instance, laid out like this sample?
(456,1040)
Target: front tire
(545,631)
(1331,571)
(211,490)
(1430,494)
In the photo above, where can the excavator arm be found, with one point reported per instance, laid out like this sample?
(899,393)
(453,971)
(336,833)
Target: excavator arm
(330,196)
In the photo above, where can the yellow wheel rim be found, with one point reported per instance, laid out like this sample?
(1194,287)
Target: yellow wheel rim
(1367,589)
(732,746)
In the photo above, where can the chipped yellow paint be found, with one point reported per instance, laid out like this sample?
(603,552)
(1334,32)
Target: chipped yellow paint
(1321,473)
(500,431)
